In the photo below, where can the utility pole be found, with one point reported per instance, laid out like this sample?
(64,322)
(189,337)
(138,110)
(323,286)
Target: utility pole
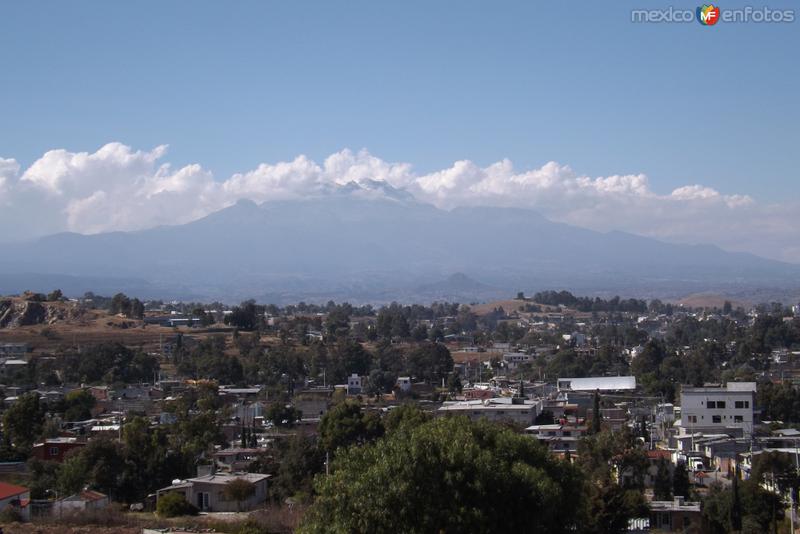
(792,490)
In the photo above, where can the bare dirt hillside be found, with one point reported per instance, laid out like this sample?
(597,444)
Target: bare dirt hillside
(48,326)
(708,300)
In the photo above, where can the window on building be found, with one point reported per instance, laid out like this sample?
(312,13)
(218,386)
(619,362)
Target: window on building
(692,418)
(53,451)
(716,419)
(711,404)
(738,405)
(720,405)
(738,419)
(567,433)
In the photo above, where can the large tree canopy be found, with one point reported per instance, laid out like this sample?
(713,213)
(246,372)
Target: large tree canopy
(448,475)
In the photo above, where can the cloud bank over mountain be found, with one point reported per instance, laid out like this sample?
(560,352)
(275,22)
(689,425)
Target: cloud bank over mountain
(122,188)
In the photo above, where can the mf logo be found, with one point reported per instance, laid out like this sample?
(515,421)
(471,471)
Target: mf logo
(708,14)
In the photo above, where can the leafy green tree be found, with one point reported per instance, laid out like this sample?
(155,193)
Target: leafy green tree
(22,422)
(136,309)
(611,507)
(150,462)
(605,457)
(745,507)
(380,382)
(337,323)
(109,363)
(430,361)
(55,295)
(239,490)
(244,317)
(406,417)
(419,333)
(345,424)
(350,357)
(436,334)
(776,466)
(567,363)
(73,475)
(78,405)
(43,477)
(400,327)
(282,414)
(105,461)
(174,505)
(299,459)
(454,383)
(120,303)
(448,475)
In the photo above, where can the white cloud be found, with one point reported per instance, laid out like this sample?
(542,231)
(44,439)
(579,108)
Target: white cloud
(8,171)
(119,188)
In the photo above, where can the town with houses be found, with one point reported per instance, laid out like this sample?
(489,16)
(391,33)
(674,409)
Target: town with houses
(158,411)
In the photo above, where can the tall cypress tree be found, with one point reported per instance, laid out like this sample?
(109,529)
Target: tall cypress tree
(736,504)
(596,417)
(680,481)
(662,486)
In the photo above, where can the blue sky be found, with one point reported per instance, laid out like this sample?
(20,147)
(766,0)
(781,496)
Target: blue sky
(233,84)
(230,85)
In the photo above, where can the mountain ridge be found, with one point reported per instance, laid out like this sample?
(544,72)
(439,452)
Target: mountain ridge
(373,246)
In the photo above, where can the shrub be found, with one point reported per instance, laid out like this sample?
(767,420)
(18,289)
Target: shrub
(173,505)
(10,515)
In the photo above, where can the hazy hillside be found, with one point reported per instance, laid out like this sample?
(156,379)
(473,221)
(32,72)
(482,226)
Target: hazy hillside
(376,249)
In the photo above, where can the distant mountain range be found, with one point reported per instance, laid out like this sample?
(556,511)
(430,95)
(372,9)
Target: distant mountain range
(369,242)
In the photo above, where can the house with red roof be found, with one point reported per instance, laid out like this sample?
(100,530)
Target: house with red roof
(55,449)
(18,497)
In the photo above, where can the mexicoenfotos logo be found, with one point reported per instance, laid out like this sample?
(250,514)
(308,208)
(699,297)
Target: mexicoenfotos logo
(708,14)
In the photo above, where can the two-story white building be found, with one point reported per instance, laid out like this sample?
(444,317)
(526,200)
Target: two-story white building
(714,410)
(513,360)
(354,385)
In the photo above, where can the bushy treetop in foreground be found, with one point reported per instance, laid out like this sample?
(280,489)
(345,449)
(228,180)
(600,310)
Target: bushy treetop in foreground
(448,475)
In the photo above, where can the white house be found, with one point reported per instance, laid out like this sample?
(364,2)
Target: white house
(404,383)
(353,384)
(208,492)
(718,409)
